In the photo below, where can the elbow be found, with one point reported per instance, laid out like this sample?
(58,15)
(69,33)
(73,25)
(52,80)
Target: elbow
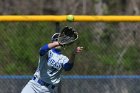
(42,52)
(68,66)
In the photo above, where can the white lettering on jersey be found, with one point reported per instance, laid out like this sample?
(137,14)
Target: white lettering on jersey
(51,67)
(53,63)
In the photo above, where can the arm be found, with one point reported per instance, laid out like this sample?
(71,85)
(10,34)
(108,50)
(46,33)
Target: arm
(53,44)
(47,47)
(68,66)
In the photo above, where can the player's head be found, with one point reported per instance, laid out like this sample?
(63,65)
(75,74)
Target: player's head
(55,37)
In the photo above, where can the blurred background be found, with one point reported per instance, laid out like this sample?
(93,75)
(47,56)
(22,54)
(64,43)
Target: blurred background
(110,62)
(54,7)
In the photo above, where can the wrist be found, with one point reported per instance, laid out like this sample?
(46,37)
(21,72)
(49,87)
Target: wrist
(57,43)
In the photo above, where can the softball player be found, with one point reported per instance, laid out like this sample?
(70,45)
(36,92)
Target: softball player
(50,65)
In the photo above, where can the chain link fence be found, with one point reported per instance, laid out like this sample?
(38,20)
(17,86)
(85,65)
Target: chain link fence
(110,49)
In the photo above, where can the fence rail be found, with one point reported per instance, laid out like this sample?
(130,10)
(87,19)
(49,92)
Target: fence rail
(64,18)
(76,76)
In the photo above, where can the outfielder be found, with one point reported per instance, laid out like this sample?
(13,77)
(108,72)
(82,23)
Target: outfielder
(52,62)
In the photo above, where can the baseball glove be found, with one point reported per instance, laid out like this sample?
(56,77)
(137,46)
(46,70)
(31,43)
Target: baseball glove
(67,36)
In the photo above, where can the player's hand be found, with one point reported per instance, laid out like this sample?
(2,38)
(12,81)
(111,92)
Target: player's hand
(78,49)
(67,36)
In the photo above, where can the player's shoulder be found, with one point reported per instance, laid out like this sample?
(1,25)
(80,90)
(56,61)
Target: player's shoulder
(52,52)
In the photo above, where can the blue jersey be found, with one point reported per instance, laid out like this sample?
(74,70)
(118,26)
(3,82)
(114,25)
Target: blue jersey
(50,65)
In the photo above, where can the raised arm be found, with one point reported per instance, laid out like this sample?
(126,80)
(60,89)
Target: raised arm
(68,66)
(47,47)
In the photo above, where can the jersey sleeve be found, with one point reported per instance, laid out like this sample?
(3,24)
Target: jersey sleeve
(65,60)
(66,65)
(43,50)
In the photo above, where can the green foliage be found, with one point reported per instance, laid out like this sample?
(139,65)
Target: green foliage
(20,43)
(131,59)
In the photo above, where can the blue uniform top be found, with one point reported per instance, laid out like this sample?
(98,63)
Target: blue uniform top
(50,65)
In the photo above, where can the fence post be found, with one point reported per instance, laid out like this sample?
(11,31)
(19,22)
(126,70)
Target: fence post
(57,25)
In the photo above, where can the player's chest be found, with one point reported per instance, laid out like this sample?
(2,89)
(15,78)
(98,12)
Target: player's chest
(55,61)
